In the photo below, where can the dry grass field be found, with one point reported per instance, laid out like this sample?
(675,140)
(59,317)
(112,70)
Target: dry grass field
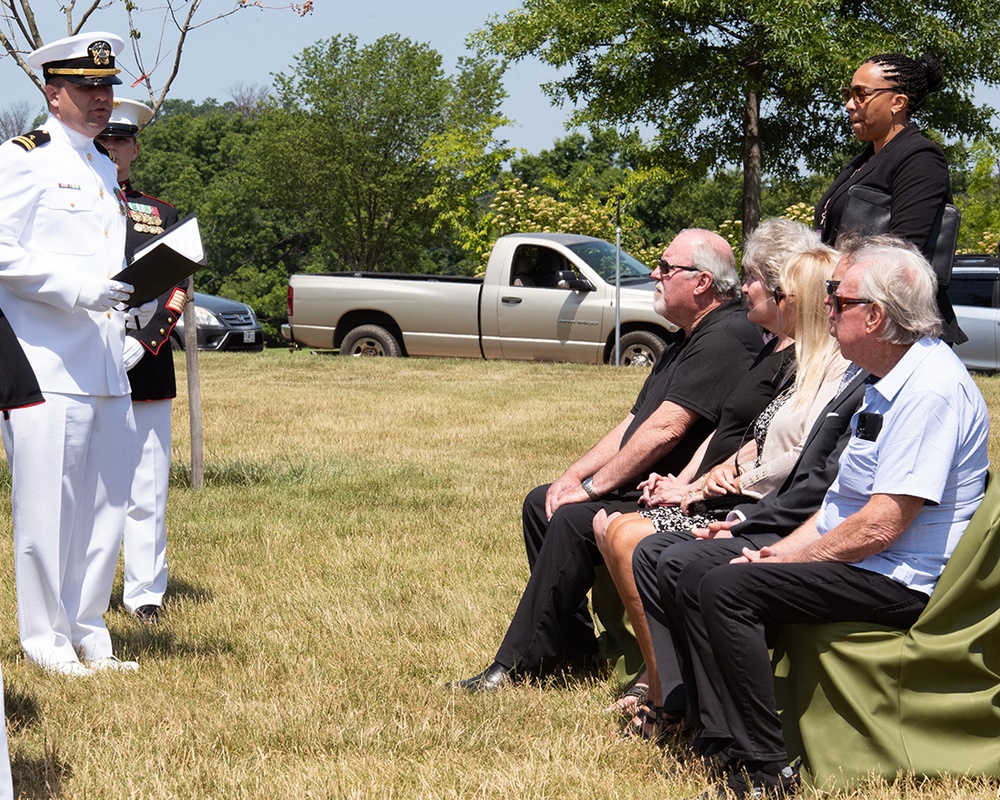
(357,544)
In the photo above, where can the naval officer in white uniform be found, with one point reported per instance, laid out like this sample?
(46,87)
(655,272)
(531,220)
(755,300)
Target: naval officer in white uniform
(62,237)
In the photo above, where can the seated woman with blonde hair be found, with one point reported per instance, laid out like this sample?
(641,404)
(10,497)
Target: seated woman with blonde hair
(794,310)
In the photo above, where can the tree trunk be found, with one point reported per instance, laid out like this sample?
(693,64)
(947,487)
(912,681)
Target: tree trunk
(751,156)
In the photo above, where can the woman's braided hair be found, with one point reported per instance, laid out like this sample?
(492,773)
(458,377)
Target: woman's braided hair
(916,79)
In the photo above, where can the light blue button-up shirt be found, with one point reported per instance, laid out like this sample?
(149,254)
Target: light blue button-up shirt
(932,444)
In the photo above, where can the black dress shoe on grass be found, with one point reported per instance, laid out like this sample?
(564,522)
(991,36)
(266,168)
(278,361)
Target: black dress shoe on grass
(757,784)
(148,614)
(489,680)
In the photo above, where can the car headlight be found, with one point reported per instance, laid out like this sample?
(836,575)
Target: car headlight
(203,317)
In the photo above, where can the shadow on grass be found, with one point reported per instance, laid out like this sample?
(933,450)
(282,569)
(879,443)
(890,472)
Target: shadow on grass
(240,473)
(32,777)
(39,778)
(20,708)
(178,591)
(141,641)
(132,638)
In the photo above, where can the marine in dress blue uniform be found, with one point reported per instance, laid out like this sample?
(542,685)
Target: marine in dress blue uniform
(62,237)
(152,381)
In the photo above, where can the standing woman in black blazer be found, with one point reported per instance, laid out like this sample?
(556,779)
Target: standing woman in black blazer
(884,94)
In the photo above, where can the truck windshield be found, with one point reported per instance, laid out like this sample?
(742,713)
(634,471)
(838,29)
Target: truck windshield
(601,257)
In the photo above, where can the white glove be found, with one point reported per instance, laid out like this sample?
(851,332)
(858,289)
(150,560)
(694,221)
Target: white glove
(101,294)
(138,318)
(133,352)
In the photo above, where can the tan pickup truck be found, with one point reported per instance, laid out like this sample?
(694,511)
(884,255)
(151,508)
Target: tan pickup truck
(545,297)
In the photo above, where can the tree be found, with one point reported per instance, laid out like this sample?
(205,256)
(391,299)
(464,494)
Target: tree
(606,165)
(14,119)
(366,158)
(377,151)
(752,84)
(980,200)
(194,154)
(248,99)
(187,148)
(521,208)
(599,159)
(158,63)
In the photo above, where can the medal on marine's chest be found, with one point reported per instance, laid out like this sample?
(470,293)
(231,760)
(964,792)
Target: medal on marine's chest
(145,218)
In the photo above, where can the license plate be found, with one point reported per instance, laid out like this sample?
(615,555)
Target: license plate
(249,337)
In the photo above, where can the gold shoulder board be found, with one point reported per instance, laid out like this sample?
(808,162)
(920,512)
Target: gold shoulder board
(29,141)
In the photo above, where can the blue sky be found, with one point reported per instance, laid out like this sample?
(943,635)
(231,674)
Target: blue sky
(248,47)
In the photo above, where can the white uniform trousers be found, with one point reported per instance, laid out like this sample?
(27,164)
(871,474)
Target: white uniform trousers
(146,523)
(71,466)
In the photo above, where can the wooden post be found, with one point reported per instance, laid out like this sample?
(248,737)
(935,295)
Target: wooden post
(194,391)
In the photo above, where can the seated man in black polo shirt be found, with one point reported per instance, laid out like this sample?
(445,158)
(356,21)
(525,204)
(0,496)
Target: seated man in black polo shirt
(676,410)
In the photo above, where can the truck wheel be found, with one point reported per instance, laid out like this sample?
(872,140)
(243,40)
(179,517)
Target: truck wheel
(370,340)
(639,349)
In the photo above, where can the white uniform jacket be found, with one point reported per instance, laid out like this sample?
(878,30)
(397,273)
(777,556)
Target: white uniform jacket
(51,243)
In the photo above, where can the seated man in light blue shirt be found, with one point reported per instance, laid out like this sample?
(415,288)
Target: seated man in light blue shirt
(909,480)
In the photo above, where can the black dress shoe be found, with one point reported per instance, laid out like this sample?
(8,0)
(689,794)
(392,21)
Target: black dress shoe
(149,614)
(757,784)
(489,680)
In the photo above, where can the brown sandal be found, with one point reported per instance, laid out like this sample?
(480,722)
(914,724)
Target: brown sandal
(652,723)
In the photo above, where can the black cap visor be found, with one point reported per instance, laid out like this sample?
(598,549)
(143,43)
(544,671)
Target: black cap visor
(119,130)
(82,72)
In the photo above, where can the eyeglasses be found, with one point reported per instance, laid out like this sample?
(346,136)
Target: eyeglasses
(839,302)
(831,287)
(666,267)
(862,94)
(780,295)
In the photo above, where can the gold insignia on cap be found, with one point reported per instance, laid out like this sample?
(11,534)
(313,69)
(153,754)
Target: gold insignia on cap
(100,51)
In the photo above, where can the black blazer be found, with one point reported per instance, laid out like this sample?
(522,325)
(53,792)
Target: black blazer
(914,172)
(803,491)
(18,387)
(910,168)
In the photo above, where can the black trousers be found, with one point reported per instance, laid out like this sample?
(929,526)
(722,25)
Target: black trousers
(552,624)
(730,611)
(657,564)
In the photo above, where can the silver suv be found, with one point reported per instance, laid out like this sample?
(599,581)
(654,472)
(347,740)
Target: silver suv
(975,294)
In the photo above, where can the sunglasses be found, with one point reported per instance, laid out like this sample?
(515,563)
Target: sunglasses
(840,302)
(779,295)
(666,267)
(862,94)
(831,287)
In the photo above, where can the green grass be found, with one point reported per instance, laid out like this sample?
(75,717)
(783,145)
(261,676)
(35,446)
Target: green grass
(356,545)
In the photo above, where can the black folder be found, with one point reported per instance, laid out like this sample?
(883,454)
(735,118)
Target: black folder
(157,271)
(158,267)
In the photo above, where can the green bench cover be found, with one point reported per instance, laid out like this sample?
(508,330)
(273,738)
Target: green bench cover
(859,699)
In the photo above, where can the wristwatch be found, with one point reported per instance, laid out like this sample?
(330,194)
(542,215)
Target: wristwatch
(588,487)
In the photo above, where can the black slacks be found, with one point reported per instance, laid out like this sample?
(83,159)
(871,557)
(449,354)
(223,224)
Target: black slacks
(729,612)
(552,624)
(657,564)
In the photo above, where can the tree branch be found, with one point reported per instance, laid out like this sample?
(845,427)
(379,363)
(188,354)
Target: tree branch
(27,25)
(19,60)
(21,23)
(182,37)
(95,6)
